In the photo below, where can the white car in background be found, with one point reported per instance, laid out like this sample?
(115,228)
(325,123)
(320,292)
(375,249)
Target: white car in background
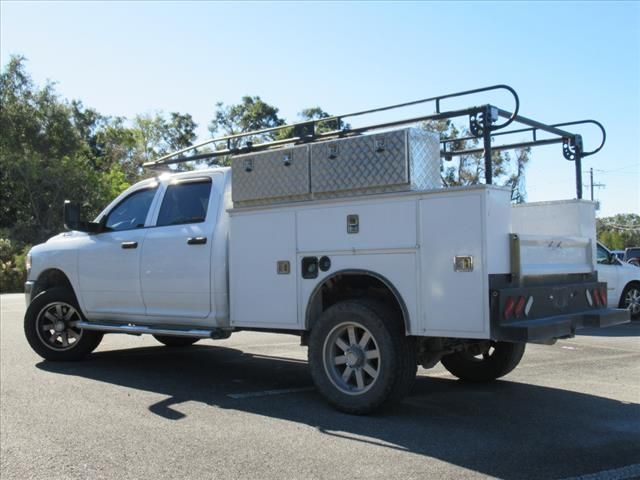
(623,281)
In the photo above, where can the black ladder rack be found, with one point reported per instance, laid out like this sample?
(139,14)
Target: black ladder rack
(483,123)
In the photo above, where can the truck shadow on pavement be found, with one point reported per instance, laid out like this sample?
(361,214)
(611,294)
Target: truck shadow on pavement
(503,429)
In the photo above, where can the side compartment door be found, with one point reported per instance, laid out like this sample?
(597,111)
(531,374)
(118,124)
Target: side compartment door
(176,259)
(109,264)
(263,270)
(454,302)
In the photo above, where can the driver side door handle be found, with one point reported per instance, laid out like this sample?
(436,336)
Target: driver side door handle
(197,240)
(129,244)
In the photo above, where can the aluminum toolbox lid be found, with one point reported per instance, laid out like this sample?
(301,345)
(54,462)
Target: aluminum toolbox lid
(407,158)
(360,162)
(273,174)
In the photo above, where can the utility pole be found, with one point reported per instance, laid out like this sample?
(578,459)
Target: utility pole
(592,185)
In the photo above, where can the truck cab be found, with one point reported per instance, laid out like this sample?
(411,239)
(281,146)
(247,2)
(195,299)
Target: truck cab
(159,257)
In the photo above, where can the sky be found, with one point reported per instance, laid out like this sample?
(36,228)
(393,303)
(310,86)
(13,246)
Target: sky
(567,61)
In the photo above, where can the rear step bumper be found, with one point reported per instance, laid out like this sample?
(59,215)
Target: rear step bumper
(559,327)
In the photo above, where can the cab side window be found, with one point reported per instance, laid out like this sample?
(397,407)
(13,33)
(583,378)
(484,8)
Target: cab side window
(131,212)
(185,202)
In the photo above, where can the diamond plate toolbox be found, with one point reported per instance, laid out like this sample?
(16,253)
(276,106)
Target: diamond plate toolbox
(407,159)
(271,176)
(398,160)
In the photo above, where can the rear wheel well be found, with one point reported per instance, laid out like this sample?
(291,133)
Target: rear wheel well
(49,279)
(351,285)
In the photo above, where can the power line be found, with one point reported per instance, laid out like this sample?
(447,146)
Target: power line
(617,169)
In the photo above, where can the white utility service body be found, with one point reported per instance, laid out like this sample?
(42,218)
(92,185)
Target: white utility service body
(408,240)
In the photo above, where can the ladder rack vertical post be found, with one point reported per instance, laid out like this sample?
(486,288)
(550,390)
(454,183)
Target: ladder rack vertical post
(486,140)
(578,161)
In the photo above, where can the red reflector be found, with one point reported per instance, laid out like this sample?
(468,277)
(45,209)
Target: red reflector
(596,297)
(519,306)
(508,307)
(603,296)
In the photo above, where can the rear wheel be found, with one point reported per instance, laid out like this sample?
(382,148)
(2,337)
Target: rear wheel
(630,300)
(360,358)
(497,360)
(171,341)
(50,325)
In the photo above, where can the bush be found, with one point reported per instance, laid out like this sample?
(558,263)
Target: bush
(13,272)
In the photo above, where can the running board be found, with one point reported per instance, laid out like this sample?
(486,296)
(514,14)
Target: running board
(216,333)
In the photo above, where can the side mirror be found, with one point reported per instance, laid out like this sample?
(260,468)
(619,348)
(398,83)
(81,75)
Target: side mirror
(72,221)
(71,213)
(613,259)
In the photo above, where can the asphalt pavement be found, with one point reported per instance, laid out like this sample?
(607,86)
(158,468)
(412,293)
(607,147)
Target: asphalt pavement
(246,408)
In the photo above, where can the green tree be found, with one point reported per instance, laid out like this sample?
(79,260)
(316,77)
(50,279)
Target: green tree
(251,114)
(48,153)
(52,149)
(619,231)
(508,167)
(318,114)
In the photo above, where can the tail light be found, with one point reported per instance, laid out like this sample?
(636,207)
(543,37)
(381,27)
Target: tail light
(596,297)
(519,307)
(508,307)
(603,296)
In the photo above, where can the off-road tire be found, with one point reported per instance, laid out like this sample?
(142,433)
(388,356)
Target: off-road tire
(397,365)
(33,318)
(505,357)
(171,341)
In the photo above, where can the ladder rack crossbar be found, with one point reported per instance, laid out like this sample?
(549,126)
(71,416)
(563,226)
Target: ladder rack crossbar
(483,122)
(338,119)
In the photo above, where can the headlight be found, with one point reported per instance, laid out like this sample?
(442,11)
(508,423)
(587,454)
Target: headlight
(27,264)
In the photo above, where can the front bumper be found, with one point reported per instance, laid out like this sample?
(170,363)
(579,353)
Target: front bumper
(28,288)
(561,326)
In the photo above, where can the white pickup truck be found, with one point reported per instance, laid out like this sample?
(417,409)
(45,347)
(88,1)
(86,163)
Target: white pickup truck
(375,283)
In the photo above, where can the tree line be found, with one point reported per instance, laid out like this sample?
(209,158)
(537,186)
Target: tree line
(53,149)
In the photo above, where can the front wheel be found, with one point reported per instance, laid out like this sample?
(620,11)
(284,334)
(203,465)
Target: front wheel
(50,325)
(360,358)
(498,359)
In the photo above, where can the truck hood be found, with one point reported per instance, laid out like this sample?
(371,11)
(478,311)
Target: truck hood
(66,235)
(57,242)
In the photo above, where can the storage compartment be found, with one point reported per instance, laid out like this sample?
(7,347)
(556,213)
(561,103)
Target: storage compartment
(453,243)
(273,175)
(407,159)
(383,225)
(263,273)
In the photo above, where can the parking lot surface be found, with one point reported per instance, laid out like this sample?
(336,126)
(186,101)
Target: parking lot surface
(245,408)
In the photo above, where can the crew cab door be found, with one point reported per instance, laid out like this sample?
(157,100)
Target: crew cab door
(176,259)
(109,263)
